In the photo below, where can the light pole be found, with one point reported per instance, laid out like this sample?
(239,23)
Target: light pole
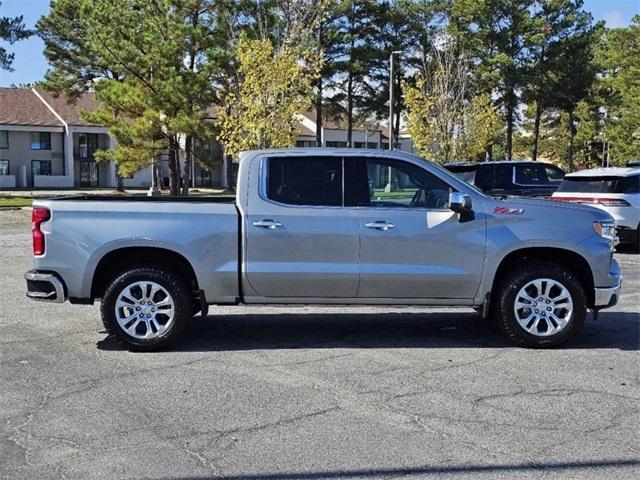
(391,139)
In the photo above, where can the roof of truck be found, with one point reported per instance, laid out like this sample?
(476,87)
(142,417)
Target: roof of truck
(606,172)
(496,162)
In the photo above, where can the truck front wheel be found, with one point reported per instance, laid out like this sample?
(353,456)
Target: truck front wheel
(146,308)
(540,304)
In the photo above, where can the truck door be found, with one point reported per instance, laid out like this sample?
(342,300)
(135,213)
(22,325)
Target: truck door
(300,240)
(412,245)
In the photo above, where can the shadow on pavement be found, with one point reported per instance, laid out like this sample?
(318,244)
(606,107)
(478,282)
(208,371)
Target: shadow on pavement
(619,330)
(427,471)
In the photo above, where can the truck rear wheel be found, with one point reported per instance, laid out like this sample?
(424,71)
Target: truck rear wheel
(146,308)
(540,305)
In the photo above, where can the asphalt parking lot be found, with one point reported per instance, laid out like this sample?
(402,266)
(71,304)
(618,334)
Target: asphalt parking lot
(312,393)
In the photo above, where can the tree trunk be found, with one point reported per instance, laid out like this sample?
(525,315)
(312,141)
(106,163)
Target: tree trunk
(173,170)
(231,184)
(509,142)
(572,132)
(349,110)
(536,131)
(319,114)
(188,160)
(489,154)
(119,183)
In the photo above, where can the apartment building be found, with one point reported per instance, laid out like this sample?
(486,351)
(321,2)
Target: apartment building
(45,142)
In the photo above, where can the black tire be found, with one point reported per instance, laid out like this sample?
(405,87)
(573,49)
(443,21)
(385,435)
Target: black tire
(505,297)
(173,284)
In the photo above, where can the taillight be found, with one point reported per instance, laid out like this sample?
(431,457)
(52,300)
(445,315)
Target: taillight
(38,216)
(613,202)
(607,202)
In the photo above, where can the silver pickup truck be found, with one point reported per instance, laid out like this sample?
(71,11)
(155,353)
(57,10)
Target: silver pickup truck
(327,226)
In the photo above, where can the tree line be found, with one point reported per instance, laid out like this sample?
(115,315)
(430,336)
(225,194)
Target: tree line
(475,79)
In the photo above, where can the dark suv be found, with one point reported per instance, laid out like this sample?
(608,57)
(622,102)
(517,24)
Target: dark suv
(515,178)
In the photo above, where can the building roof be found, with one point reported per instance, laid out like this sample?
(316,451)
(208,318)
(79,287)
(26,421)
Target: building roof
(606,172)
(19,106)
(71,110)
(306,132)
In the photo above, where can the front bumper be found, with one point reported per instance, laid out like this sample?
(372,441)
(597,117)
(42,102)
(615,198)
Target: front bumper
(45,286)
(607,297)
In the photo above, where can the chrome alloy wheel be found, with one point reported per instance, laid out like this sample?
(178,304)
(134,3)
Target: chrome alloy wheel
(145,310)
(543,307)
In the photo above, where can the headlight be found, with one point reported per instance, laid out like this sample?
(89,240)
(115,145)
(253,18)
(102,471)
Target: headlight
(607,230)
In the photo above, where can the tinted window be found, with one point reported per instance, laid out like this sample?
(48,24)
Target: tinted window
(538,174)
(554,174)
(632,184)
(4,139)
(485,177)
(305,180)
(4,167)
(384,183)
(594,185)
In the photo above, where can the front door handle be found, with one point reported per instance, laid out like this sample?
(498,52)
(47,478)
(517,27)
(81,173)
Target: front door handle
(380,225)
(267,223)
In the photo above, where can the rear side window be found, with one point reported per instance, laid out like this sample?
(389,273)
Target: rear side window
(594,185)
(632,184)
(314,181)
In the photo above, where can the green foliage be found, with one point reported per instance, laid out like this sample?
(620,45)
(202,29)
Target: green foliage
(274,87)
(619,57)
(12,29)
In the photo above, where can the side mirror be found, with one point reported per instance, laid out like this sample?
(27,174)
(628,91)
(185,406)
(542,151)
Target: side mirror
(461,203)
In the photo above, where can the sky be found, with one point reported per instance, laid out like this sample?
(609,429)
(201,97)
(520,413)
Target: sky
(30,64)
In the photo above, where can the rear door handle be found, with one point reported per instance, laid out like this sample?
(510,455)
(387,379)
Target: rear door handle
(267,223)
(380,225)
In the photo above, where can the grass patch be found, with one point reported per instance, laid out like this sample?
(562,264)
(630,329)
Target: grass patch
(10,201)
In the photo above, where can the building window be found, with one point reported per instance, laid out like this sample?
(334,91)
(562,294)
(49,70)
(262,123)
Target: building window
(370,145)
(4,167)
(4,139)
(337,144)
(40,141)
(306,143)
(40,167)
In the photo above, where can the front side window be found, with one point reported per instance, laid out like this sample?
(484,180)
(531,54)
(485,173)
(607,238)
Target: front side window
(40,167)
(40,141)
(313,181)
(4,139)
(4,167)
(373,182)
(554,174)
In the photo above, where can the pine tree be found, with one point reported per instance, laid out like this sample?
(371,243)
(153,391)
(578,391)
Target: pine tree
(12,29)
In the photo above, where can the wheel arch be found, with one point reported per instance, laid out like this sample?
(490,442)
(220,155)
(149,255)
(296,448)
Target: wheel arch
(570,260)
(118,260)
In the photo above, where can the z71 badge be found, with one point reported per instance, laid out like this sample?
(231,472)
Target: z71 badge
(508,211)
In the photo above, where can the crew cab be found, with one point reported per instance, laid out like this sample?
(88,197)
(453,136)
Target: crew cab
(326,226)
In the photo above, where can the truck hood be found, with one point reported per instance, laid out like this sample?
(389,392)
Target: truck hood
(548,208)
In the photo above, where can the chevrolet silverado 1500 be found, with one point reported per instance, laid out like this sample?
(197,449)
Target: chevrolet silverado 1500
(327,226)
